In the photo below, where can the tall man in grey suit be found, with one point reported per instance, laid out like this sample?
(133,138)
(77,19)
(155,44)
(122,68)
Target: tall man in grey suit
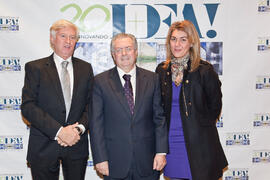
(55,98)
(128,131)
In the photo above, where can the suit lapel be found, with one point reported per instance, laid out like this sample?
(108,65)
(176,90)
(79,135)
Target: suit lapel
(118,90)
(53,75)
(141,85)
(76,74)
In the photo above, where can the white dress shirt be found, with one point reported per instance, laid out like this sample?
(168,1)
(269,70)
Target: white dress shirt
(58,60)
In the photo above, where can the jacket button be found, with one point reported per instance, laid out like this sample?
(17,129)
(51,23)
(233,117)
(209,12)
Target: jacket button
(187,81)
(163,93)
(189,103)
(165,83)
(168,73)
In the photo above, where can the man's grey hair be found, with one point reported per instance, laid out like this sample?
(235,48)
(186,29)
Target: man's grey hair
(121,36)
(60,24)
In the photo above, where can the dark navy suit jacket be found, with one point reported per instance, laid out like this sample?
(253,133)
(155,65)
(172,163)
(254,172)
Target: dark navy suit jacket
(119,137)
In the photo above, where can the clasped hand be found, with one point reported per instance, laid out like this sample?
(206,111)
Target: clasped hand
(68,136)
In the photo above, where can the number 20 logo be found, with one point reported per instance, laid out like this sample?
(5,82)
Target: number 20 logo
(81,15)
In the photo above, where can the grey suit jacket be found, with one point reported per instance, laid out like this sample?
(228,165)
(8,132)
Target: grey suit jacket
(119,137)
(43,106)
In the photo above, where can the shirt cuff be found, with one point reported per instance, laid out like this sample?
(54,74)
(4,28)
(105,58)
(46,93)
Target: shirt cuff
(81,127)
(56,136)
(161,154)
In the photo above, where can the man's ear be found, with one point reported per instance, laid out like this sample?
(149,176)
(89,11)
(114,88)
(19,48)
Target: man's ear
(136,52)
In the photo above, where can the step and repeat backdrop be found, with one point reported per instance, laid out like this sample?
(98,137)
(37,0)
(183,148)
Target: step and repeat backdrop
(235,37)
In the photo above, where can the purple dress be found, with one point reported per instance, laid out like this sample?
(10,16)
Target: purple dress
(177,160)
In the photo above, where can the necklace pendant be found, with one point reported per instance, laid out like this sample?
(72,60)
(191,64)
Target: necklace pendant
(177,83)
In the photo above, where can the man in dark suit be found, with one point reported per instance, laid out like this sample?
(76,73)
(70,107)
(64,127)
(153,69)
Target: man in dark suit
(128,131)
(55,97)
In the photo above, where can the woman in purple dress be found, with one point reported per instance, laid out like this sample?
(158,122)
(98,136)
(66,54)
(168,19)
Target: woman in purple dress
(192,100)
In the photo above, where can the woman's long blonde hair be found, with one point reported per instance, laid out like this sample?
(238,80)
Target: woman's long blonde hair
(193,37)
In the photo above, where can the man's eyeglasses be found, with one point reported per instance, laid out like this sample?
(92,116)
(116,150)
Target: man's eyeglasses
(127,49)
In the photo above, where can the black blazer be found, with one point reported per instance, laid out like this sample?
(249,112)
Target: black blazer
(119,137)
(43,106)
(200,106)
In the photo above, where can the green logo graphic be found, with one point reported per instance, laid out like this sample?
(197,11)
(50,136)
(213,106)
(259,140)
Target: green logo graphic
(81,15)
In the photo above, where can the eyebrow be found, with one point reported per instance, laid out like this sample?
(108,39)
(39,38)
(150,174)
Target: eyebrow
(124,47)
(180,36)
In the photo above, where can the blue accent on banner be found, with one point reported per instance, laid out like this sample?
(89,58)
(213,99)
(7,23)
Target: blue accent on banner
(119,23)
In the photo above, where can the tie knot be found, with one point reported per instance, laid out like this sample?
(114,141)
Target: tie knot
(127,77)
(64,64)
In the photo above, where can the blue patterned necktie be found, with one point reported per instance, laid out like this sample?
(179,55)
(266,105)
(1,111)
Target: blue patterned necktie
(129,92)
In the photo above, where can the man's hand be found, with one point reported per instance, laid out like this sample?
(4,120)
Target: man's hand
(159,162)
(103,168)
(61,143)
(68,136)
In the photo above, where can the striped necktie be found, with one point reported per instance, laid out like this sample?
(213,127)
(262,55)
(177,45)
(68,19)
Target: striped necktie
(65,82)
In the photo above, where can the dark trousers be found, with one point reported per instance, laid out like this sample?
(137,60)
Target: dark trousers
(134,175)
(72,169)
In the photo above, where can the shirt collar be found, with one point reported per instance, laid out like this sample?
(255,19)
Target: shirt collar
(59,60)
(132,72)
